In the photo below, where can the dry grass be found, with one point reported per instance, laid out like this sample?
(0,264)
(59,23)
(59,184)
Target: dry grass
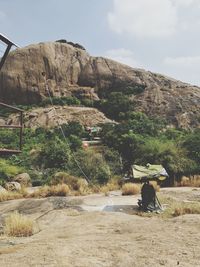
(186,208)
(193,181)
(65,178)
(18,225)
(10,195)
(54,190)
(130,189)
(176,208)
(112,185)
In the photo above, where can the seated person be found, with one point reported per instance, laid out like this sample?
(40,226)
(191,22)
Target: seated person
(148,196)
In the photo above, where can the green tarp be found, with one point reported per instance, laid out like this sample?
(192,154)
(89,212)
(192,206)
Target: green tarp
(149,171)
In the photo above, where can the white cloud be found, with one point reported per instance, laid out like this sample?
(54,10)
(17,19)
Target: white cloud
(143,18)
(124,56)
(149,18)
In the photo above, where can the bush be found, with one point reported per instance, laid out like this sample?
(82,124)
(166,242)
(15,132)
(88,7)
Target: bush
(193,181)
(54,190)
(130,189)
(7,170)
(63,177)
(18,225)
(92,165)
(116,103)
(185,208)
(61,101)
(54,154)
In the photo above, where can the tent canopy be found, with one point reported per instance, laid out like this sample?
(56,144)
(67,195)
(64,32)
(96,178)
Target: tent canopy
(149,171)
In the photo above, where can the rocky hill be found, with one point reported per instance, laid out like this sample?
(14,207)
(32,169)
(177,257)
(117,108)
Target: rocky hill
(51,117)
(66,69)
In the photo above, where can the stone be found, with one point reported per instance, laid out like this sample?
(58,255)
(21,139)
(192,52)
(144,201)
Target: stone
(49,118)
(66,69)
(23,179)
(13,186)
(2,189)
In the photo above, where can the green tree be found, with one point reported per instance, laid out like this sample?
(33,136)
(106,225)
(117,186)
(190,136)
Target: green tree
(116,104)
(92,164)
(54,154)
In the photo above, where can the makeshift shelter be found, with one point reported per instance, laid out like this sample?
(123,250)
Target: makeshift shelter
(149,172)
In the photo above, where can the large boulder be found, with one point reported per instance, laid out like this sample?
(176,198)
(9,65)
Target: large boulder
(23,179)
(63,69)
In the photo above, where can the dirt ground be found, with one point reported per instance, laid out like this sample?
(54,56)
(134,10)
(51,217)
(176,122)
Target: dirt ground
(102,231)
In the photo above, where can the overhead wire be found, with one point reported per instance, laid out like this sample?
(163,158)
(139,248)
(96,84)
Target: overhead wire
(63,133)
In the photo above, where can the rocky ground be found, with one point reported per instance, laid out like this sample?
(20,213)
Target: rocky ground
(102,231)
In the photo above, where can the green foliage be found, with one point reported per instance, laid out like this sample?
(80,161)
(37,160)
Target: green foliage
(61,101)
(116,104)
(72,128)
(134,90)
(54,154)
(93,165)
(168,153)
(113,159)
(128,90)
(139,123)
(192,146)
(8,170)
(9,138)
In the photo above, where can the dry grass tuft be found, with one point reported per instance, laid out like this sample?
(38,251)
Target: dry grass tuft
(54,190)
(185,208)
(18,225)
(65,178)
(193,181)
(10,195)
(130,189)
(176,208)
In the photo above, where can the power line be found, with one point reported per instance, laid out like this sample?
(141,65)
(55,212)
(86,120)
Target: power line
(62,131)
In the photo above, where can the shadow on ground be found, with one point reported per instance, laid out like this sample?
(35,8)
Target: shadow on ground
(128,209)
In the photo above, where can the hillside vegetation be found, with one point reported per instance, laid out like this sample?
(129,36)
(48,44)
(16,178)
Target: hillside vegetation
(144,117)
(134,139)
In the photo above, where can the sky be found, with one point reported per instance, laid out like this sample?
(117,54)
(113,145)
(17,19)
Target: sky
(161,36)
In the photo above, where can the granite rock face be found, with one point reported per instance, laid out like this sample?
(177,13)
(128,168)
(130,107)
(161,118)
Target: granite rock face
(61,69)
(51,117)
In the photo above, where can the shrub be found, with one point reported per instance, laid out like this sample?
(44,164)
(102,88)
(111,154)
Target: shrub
(93,165)
(7,170)
(190,181)
(54,190)
(54,154)
(4,196)
(186,208)
(116,103)
(65,178)
(18,225)
(130,189)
